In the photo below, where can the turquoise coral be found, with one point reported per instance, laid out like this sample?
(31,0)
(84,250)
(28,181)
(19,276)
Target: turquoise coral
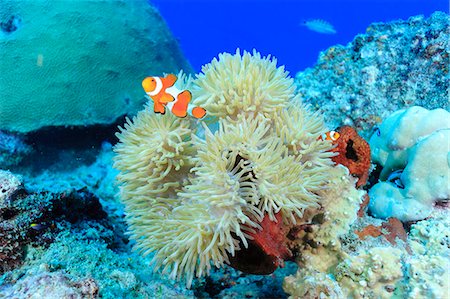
(412,146)
(82,63)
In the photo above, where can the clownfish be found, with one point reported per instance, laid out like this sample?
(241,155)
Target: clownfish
(165,95)
(330,135)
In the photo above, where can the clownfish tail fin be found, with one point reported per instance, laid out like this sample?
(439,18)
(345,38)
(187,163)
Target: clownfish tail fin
(198,112)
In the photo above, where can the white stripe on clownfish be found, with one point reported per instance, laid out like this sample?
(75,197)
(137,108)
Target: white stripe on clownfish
(189,110)
(158,87)
(173,91)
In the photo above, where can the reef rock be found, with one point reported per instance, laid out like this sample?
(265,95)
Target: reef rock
(13,149)
(51,285)
(392,66)
(81,64)
(9,183)
(415,265)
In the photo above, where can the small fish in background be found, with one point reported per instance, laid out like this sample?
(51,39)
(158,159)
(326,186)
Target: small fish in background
(41,226)
(164,93)
(320,26)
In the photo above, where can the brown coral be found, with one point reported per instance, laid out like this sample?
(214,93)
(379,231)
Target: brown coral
(354,153)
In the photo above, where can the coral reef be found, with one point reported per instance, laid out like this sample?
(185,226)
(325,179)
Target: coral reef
(403,266)
(369,274)
(411,183)
(318,244)
(250,186)
(86,252)
(312,284)
(59,230)
(211,188)
(429,270)
(359,85)
(392,66)
(339,206)
(27,218)
(90,72)
(9,184)
(11,249)
(373,273)
(52,285)
(12,150)
(352,254)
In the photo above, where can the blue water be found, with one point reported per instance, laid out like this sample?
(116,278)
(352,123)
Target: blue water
(208,27)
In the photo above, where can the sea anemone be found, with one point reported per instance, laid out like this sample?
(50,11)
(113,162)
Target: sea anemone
(194,199)
(298,127)
(269,179)
(242,83)
(154,158)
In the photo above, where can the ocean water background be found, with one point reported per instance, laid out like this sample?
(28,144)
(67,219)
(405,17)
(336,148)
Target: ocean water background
(205,28)
(69,215)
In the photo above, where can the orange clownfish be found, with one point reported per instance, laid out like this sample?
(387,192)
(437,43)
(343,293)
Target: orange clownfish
(331,136)
(164,94)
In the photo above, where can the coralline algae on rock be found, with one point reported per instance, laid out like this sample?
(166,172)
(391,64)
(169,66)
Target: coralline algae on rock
(79,63)
(392,66)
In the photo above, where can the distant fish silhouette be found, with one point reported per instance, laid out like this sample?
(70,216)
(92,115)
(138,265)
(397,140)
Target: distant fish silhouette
(319,25)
